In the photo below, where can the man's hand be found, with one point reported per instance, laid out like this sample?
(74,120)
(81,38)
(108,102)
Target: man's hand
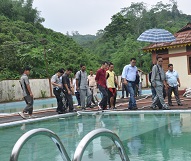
(60,85)
(179,85)
(69,92)
(31,94)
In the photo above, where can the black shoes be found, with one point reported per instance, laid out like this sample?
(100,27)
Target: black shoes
(180,104)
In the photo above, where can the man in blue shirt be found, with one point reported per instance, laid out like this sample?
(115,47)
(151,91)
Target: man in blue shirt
(129,76)
(173,82)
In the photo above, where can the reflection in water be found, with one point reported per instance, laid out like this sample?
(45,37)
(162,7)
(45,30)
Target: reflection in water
(145,137)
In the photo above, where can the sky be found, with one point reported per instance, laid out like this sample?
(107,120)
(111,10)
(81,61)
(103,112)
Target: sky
(88,16)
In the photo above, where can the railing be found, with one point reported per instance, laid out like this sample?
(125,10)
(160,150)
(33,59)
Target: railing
(41,131)
(79,150)
(97,133)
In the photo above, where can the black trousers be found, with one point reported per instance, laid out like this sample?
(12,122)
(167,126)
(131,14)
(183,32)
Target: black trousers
(70,101)
(103,102)
(59,100)
(175,91)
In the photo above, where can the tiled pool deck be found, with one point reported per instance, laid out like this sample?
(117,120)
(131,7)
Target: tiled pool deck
(143,104)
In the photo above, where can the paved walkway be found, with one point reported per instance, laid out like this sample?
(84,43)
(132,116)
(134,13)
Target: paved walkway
(142,104)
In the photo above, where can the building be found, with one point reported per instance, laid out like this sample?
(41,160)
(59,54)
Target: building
(177,53)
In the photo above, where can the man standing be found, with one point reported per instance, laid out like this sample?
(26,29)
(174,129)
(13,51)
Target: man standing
(57,88)
(158,80)
(93,86)
(173,82)
(101,83)
(27,93)
(67,89)
(111,85)
(129,76)
(82,86)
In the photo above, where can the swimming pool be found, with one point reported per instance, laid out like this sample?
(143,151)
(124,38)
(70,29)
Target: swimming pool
(152,137)
(13,107)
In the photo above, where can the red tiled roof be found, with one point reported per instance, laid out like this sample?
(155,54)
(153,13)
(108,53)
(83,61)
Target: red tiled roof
(183,38)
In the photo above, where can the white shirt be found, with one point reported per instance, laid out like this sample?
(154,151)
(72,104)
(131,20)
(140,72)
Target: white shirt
(171,78)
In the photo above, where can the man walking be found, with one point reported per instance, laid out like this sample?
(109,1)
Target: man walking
(27,93)
(93,86)
(67,89)
(158,80)
(173,82)
(101,83)
(111,86)
(82,86)
(129,76)
(57,88)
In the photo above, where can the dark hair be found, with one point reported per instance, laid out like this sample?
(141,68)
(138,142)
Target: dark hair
(69,69)
(27,68)
(169,65)
(159,57)
(91,70)
(104,62)
(81,65)
(60,71)
(110,64)
(133,59)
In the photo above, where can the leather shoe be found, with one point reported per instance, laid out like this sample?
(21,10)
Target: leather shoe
(180,104)
(170,104)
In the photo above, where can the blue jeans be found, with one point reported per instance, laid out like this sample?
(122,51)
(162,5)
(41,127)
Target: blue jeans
(132,101)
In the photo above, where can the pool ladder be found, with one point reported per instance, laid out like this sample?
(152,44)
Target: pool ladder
(80,148)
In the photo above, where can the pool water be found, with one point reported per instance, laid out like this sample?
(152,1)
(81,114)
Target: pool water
(13,107)
(146,137)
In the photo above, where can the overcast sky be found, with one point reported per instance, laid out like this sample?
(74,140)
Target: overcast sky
(88,16)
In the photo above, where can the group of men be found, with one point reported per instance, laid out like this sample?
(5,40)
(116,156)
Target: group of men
(85,86)
(162,82)
(105,80)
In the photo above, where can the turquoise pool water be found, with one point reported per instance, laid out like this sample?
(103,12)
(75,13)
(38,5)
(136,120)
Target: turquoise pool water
(146,137)
(13,107)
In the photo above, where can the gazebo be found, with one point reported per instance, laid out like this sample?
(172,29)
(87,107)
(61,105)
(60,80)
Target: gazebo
(177,53)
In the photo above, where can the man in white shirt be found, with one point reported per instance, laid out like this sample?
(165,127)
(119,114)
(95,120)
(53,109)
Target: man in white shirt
(93,86)
(129,76)
(173,82)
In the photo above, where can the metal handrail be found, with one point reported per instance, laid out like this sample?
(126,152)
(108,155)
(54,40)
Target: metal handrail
(97,133)
(41,131)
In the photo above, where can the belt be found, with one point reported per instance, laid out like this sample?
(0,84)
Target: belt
(131,81)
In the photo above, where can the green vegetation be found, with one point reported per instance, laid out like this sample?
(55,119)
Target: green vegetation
(24,40)
(118,41)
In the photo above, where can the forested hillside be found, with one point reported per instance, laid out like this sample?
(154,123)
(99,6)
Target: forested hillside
(118,41)
(24,41)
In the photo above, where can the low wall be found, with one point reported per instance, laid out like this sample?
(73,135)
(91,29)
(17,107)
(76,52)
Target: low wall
(10,90)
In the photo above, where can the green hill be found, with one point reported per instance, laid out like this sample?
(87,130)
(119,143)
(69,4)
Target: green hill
(26,42)
(118,42)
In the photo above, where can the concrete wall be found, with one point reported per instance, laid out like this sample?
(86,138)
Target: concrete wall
(177,50)
(11,89)
(181,66)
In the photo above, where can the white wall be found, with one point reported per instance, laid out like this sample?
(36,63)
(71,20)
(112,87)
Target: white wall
(177,50)
(11,89)
(180,64)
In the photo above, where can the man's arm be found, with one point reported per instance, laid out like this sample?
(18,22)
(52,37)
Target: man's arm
(124,75)
(153,76)
(29,89)
(178,82)
(77,81)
